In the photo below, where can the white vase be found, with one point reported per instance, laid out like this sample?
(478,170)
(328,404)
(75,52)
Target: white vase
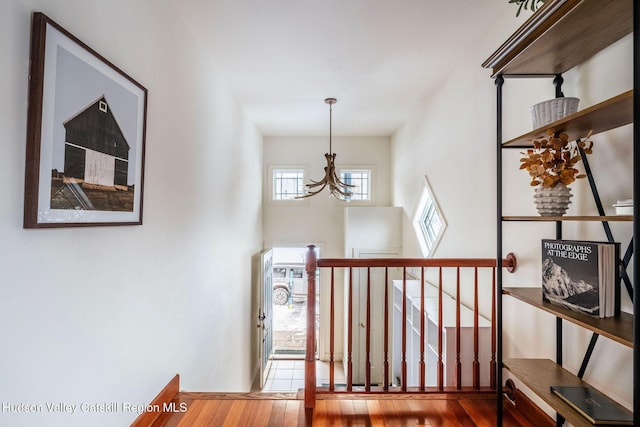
(552,201)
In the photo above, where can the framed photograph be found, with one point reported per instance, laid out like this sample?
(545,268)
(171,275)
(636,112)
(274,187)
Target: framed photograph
(85,135)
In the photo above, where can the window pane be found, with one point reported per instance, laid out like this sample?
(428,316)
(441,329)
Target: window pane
(288,184)
(360,179)
(429,223)
(279,272)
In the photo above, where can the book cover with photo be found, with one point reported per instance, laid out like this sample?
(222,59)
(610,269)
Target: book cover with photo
(581,276)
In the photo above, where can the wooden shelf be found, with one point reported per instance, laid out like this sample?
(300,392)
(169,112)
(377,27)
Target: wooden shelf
(569,218)
(539,375)
(607,115)
(619,328)
(561,35)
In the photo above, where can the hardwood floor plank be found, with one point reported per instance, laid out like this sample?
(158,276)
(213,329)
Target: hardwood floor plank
(459,414)
(235,413)
(395,412)
(376,417)
(347,411)
(361,413)
(420,409)
(256,413)
(442,413)
(336,417)
(320,416)
(212,415)
(277,414)
(327,413)
(428,414)
(215,415)
(193,412)
(483,413)
(421,412)
(293,412)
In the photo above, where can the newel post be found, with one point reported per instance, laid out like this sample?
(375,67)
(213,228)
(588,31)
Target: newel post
(310,354)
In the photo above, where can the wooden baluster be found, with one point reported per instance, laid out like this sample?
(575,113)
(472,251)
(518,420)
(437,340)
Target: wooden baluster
(458,369)
(421,365)
(386,329)
(332,334)
(403,355)
(440,364)
(492,364)
(310,354)
(422,334)
(476,363)
(350,334)
(367,363)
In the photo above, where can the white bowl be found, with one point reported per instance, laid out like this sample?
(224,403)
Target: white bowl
(551,110)
(624,207)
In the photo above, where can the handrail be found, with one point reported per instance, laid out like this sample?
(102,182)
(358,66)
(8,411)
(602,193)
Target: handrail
(312,263)
(509,262)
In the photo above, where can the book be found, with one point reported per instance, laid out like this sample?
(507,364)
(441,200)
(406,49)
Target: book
(582,276)
(594,406)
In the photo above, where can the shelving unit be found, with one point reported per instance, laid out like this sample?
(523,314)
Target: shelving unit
(559,36)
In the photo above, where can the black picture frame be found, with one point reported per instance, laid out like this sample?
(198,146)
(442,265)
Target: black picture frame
(86,129)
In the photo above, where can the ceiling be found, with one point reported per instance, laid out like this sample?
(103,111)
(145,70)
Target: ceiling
(379,58)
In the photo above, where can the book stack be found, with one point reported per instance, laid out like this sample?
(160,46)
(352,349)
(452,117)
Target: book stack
(594,406)
(582,276)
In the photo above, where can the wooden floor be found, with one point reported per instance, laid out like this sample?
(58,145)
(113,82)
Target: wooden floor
(287,409)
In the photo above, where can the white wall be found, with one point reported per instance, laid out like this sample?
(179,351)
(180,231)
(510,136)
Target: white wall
(115,323)
(452,141)
(319,219)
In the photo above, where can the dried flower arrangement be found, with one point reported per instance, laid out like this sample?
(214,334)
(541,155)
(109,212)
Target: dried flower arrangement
(551,161)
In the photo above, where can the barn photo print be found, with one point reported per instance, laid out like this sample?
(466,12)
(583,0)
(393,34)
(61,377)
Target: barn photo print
(91,137)
(90,148)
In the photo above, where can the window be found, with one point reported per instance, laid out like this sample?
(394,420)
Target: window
(297,273)
(428,222)
(288,184)
(361,180)
(279,272)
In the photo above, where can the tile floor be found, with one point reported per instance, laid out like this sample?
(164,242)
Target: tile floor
(288,375)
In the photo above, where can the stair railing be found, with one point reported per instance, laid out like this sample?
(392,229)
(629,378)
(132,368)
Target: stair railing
(313,263)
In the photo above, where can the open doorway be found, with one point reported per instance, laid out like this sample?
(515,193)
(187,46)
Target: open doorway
(290,288)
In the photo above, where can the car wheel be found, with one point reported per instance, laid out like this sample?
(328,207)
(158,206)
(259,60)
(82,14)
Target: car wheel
(280,296)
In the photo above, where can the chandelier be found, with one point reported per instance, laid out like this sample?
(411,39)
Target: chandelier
(337,188)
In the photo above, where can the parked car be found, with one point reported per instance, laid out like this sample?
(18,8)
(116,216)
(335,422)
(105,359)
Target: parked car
(289,280)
